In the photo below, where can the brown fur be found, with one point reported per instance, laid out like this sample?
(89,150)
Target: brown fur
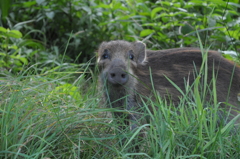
(177,64)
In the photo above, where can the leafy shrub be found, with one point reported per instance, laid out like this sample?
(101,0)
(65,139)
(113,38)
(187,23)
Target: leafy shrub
(15,52)
(19,54)
(83,24)
(176,23)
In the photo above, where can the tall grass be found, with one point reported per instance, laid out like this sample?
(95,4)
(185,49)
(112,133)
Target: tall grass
(46,115)
(57,115)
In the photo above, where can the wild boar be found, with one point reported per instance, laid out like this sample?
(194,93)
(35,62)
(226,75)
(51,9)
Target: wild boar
(129,72)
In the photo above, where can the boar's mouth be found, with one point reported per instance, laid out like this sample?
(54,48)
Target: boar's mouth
(117,76)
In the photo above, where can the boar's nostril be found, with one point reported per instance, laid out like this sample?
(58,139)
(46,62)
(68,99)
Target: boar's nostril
(117,76)
(113,75)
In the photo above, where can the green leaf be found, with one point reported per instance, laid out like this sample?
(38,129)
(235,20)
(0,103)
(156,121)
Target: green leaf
(14,34)
(66,89)
(2,54)
(19,58)
(103,6)
(24,60)
(187,28)
(155,10)
(13,47)
(29,4)
(146,32)
(2,29)
(30,43)
(50,15)
(234,4)
(229,57)
(234,34)
(165,3)
(40,1)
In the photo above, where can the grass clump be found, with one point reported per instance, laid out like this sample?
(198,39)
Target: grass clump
(57,115)
(42,116)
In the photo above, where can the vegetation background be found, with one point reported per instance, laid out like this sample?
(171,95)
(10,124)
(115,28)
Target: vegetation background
(48,96)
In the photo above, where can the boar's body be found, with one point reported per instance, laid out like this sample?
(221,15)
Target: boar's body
(182,65)
(128,71)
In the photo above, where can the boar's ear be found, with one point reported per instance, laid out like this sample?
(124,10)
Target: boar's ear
(140,49)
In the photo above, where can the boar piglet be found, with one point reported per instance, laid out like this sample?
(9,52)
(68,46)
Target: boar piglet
(129,72)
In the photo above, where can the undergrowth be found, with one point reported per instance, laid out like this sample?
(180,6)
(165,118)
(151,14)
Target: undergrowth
(57,115)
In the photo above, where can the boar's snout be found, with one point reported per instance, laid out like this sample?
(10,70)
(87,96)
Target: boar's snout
(117,76)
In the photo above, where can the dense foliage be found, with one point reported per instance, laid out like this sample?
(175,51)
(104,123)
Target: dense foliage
(48,96)
(75,28)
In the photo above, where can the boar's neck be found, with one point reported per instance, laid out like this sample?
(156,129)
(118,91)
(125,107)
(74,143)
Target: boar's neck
(119,97)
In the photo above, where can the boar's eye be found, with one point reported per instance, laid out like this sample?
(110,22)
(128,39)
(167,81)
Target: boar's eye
(131,56)
(105,54)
